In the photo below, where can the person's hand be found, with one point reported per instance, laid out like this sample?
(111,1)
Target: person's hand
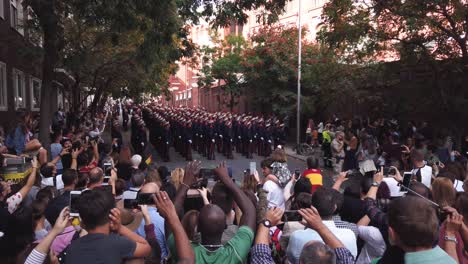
(115,221)
(191,170)
(165,206)
(311,218)
(378,177)
(256,176)
(145,212)
(274,215)
(34,162)
(62,221)
(397,175)
(75,153)
(53,257)
(64,151)
(342,176)
(405,149)
(449,210)
(222,172)
(453,223)
(203,192)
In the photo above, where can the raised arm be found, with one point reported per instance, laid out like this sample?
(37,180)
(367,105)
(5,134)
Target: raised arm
(31,179)
(95,150)
(312,219)
(143,249)
(190,171)
(244,203)
(43,248)
(339,180)
(261,252)
(167,210)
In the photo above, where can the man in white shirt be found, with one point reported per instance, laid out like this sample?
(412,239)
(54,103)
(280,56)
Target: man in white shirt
(421,171)
(324,202)
(275,195)
(374,246)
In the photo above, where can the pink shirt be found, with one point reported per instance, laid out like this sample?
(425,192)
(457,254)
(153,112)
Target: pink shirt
(63,240)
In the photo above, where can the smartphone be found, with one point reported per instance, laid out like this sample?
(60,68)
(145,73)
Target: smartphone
(74,197)
(291,215)
(387,171)
(253,166)
(297,172)
(130,203)
(407,175)
(107,168)
(207,173)
(145,198)
(106,180)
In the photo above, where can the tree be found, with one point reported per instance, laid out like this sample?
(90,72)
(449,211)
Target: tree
(365,30)
(162,24)
(223,62)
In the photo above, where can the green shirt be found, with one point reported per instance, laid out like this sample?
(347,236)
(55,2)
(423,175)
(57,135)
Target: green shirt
(235,251)
(433,256)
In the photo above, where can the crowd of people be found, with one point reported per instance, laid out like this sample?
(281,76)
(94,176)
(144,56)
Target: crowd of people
(396,198)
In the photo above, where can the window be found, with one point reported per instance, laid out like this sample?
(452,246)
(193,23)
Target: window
(2,10)
(19,89)
(3,87)
(16,15)
(189,94)
(35,86)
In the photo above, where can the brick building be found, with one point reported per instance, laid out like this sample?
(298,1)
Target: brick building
(20,65)
(183,86)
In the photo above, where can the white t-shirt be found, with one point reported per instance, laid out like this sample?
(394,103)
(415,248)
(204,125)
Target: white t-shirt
(458,185)
(393,187)
(50,182)
(275,195)
(426,175)
(374,246)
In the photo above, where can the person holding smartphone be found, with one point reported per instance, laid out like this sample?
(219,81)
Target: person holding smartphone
(107,241)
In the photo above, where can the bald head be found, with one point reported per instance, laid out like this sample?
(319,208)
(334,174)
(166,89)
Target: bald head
(96,175)
(317,252)
(150,187)
(211,221)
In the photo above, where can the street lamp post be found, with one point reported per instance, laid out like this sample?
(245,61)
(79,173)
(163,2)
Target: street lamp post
(298,125)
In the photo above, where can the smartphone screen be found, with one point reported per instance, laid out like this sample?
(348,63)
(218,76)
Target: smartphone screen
(297,172)
(253,166)
(74,197)
(107,169)
(291,215)
(406,180)
(207,173)
(106,180)
(145,198)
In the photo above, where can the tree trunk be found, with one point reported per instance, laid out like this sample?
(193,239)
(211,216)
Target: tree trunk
(48,65)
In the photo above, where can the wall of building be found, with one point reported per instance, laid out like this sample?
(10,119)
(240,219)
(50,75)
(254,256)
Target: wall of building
(19,54)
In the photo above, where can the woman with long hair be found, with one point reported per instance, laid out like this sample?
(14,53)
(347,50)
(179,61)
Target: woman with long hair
(249,182)
(443,192)
(177,177)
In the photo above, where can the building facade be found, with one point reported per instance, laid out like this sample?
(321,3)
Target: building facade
(20,65)
(183,86)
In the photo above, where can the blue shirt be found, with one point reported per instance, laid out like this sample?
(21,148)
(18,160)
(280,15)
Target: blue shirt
(158,223)
(55,149)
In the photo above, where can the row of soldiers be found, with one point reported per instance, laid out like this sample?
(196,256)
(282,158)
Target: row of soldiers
(190,130)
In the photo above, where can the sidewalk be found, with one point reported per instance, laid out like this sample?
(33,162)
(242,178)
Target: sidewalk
(293,154)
